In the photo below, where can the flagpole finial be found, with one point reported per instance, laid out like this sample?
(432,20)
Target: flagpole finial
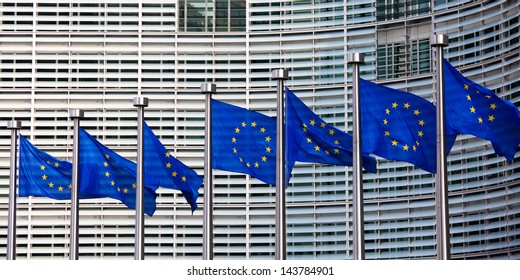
(353,58)
(280,74)
(14,124)
(439,40)
(208,88)
(140,101)
(76,113)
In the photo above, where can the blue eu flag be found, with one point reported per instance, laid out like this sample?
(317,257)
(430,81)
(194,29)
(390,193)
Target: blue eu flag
(398,125)
(43,175)
(476,110)
(310,139)
(243,141)
(161,169)
(104,173)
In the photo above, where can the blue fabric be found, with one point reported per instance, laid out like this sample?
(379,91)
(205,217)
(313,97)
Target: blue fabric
(104,173)
(476,110)
(161,169)
(243,141)
(41,174)
(310,139)
(398,125)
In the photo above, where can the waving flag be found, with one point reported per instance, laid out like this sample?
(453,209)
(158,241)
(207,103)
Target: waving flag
(310,139)
(476,110)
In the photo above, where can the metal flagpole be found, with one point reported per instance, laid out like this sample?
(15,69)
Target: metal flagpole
(75,115)
(207,235)
(11,212)
(140,103)
(439,41)
(359,224)
(280,219)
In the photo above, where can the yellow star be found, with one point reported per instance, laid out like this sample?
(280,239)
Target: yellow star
(44,177)
(262,129)
(420,133)
(107,156)
(327,152)
(241,160)
(394,143)
(60,188)
(51,185)
(253,124)
(257,164)
(42,167)
(394,105)
(268,139)
(235,150)
(493,106)
(387,133)
(468,97)
(304,128)
(167,154)
(312,122)
(248,164)
(491,118)
(244,124)
(112,183)
(385,121)
(168,165)
(268,149)
(118,189)
(309,140)
(56,164)
(472,109)
(405,147)
(70,186)
(422,123)
(234,140)
(237,130)
(174,174)
(336,151)
(488,96)
(105,164)
(416,112)
(134,185)
(331,132)
(414,148)
(125,190)
(317,148)
(336,142)
(480,120)
(466,87)
(107,174)
(323,125)
(387,111)
(406,105)
(264,158)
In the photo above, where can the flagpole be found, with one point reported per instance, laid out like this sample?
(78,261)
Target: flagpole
(139,102)
(280,218)
(359,233)
(11,212)
(75,115)
(439,41)
(207,236)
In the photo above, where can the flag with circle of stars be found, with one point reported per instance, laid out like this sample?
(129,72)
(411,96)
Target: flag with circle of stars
(41,174)
(244,141)
(162,169)
(311,139)
(104,173)
(476,110)
(398,125)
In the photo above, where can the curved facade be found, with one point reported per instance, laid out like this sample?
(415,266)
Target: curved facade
(56,55)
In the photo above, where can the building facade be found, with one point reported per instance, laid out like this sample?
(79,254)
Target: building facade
(98,55)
